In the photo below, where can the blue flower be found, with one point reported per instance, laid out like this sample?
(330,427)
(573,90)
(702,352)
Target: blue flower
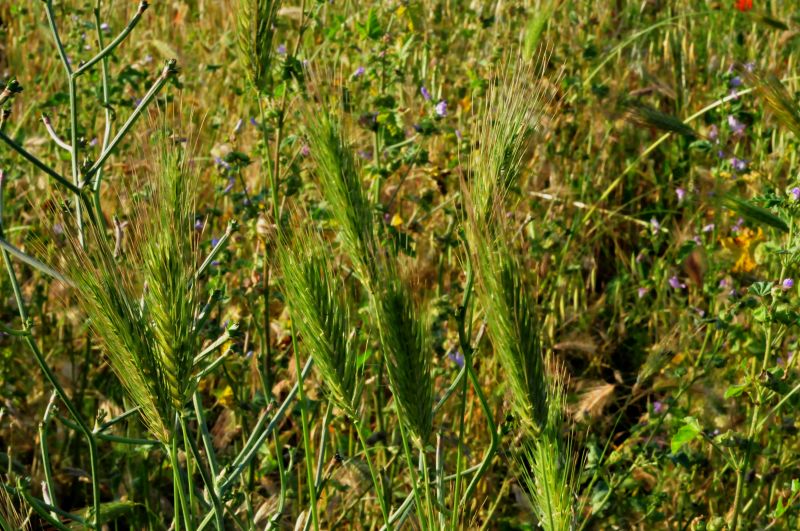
(441,109)
(425,93)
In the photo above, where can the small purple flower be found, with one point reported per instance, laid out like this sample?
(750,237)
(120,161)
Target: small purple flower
(93,142)
(733,94)
(676,284)
(359,72)
(681,194)
(305,150)
(795,193)
(147,59)
(749,67)
(425,93)
(229,186)
(198,225)
(222,163)
(282,49)
(738,164)
(724,283)
(697,240)
(658,407)
(736,126)
(253,122)
(456,357)
(641,292)
(787,284)
(214,242)
(713,133)
(708,228)
(655,226)
(441,109)
(735,82)
(104,27)
(738,226)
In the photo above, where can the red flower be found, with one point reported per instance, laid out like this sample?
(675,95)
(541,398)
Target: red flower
(744,5)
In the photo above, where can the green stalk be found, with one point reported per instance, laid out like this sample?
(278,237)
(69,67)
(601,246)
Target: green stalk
(306,437)
(208,478)
(46,467)
(180,501)
(413,473)
(379,491)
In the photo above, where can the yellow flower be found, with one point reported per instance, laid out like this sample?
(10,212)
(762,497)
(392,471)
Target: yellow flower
(396,221)
(225,398)
(742,245)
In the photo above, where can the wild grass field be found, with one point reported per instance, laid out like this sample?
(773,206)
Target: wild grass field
(401,264)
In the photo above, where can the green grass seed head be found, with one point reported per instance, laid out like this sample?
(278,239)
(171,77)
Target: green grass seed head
(255,32)
(321,313)
(142,305)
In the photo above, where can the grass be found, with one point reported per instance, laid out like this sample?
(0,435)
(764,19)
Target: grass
(399,265)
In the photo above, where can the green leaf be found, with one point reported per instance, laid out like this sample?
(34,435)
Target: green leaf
(735,390)
(687,433)
(754,213)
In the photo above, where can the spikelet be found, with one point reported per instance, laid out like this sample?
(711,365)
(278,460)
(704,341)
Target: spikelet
(340,180)
(321,313)
(255,32)
(776,98)
(142,307)
(548,468)
(398,317)
(406,347)
(510,114)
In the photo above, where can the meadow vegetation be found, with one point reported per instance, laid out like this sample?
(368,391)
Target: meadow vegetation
(403,264)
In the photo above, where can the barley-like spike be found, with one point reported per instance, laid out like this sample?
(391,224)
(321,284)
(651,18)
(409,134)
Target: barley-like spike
(339,177)
(320,313)
(255,30)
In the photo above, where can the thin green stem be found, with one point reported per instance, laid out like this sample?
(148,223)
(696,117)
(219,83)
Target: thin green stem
(379,492)
(412,472)
(306,437)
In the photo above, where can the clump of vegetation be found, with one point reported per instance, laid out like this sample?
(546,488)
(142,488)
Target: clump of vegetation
(413,264)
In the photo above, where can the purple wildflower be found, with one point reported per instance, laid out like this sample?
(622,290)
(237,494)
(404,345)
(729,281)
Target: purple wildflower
(441,109)
(104,27)
(724,283)
(681,193)
(305,150)
(253,122)
(425,93)
(787,284)
(655,225)
(198,225)
(735,82)
(658,407)
(713,133)
(282,49)
(456,357)
(641,292)
(708,228)
(795,193)
(359,72)
(738,164)
(676,284)
(229,186)
(736,126)
(738,226)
